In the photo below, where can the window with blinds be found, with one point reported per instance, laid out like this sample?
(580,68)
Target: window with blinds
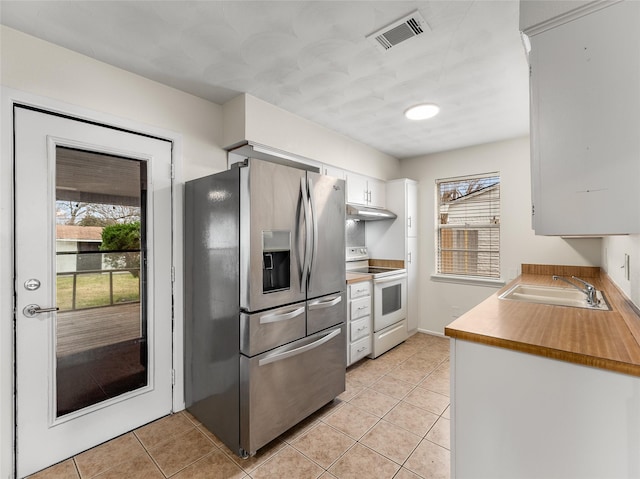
(468,242)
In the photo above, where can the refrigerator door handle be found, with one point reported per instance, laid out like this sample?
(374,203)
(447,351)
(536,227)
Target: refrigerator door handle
(300,350)
(274,318)
(304,195)
(325,304)
(314,239)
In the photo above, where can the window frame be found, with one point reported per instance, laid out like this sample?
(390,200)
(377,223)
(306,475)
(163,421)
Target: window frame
(492,224)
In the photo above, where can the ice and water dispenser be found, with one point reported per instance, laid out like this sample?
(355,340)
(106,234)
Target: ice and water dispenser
(276,261)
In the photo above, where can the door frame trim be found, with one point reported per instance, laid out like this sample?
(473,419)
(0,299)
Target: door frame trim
(9,98)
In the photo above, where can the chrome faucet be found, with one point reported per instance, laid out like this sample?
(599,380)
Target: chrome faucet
(589,289)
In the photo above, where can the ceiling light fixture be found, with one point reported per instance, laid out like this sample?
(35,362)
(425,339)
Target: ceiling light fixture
(423,111)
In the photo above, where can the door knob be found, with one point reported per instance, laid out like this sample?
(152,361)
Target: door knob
(31,310)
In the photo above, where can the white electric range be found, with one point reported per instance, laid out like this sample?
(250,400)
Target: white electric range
(389,300)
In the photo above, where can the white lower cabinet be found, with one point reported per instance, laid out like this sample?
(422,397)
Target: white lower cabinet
(359,317)
(518,415)
(360,328)
(359,349)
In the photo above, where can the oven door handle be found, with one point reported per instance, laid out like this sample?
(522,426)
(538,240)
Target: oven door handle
(389,279)
(300,350)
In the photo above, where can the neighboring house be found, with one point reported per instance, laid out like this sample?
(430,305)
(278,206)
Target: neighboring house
(72,239)
(472,243)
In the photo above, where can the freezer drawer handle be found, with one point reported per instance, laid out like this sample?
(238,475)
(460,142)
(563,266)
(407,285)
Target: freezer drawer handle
(300,350)
(325,304)
(274,318)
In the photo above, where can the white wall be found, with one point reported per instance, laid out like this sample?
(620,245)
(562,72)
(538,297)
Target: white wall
(441,302)
(613,250)
(38,67)
(269,125)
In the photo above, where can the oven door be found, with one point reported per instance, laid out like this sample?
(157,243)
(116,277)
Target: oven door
(390,300)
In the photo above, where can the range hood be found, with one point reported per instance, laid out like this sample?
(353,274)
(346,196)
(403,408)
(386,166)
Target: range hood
(366,213)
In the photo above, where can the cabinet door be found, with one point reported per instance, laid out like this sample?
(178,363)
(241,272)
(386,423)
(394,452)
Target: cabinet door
(377,190)
(585,104)
(412,209)
(356,189)
(333,171)
(413,317)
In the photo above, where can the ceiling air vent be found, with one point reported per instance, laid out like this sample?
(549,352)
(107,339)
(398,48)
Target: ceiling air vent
(399,31)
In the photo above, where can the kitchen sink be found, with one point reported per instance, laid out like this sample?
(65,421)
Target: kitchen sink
(531,293)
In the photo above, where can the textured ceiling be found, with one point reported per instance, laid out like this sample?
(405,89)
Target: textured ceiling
(312,58)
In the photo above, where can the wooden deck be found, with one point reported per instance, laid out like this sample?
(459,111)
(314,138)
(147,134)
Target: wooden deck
(86,329)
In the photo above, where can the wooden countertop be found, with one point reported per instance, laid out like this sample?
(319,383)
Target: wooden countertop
(385,263)
(357,277)
(603,339)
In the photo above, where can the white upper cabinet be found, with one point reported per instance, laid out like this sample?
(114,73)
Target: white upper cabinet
(363,190)
(333,171)
(585,123)
(377,192)
(537,16)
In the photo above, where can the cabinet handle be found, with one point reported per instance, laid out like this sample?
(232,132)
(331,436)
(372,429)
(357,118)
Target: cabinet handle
(360,308)
(359,350)
(409,260)
(409,221)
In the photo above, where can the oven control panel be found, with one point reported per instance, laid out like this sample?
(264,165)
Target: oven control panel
(357,253)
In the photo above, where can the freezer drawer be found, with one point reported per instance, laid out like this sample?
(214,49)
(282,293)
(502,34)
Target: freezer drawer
(263,331)
(280,388)
(322,313)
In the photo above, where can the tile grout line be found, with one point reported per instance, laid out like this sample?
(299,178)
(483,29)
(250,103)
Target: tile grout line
(368,372)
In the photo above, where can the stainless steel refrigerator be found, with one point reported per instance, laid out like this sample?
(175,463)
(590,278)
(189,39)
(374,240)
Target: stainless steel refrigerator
(265,307)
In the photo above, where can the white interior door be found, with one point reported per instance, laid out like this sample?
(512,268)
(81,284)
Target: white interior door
(92,239)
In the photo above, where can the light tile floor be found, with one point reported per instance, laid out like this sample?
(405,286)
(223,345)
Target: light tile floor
(391,422)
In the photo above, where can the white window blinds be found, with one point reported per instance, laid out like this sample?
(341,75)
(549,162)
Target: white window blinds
(468,242)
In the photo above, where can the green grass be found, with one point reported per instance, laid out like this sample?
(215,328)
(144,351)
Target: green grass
(92,290)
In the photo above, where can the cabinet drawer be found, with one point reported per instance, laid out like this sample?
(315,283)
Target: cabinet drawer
(358,290)
(325,312)
(359,349)
(360,328)
(360,308)
(260,332)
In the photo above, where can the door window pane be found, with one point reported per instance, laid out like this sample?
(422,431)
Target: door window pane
(101,343)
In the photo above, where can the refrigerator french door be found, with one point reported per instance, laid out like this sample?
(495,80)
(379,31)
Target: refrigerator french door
(265,306)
